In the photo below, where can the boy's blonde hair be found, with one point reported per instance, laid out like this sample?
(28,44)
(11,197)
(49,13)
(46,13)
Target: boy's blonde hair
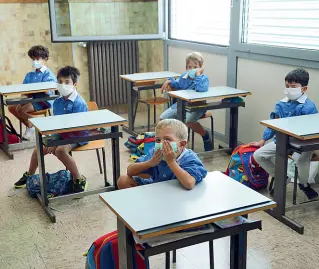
(179,127)
(195,57)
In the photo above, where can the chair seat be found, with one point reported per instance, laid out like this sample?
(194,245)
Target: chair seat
(92,145)
(39,112)
(206,115)
(155,101)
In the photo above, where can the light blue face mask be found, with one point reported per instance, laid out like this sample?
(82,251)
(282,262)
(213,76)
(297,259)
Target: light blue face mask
(160,146)
(192,73)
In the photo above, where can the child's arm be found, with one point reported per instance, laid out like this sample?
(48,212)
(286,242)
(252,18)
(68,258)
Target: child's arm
(183,176)
(173,82)
(139,167)
(201,81)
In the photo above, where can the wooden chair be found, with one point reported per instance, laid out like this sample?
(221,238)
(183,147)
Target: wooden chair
(155,101)
(43,112)
(95,145)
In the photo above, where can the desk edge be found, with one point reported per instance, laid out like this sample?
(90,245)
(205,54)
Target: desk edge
(171,94)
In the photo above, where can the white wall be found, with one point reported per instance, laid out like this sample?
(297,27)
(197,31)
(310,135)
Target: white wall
(266,82)
(215,68)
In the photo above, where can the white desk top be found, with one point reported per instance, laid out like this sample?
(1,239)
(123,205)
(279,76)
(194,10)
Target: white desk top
(303,127)
(77,121)
(156,205)
(149,76)
(212,93)
(27,88)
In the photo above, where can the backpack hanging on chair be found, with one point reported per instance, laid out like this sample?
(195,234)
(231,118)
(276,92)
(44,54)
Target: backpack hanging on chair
(12,134)
(243,168)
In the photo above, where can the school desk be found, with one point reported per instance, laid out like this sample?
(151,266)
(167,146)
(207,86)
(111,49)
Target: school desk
(76,122)
(6,93)
(220,98)
(142,77)
(293,134)
(166,207)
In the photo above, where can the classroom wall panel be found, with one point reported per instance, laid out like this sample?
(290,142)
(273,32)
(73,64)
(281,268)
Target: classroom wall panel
(215,68)
(266,82)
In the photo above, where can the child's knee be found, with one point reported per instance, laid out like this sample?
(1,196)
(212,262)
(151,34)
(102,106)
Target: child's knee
(258,156)
(125,182)
(12,109)
(60,152)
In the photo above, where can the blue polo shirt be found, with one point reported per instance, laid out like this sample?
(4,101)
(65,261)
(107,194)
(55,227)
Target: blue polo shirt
(74,104)
(184,82)
(188,161)
(286,108)
(44,74)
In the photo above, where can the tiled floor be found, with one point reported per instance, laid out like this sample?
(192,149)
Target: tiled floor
(29,240)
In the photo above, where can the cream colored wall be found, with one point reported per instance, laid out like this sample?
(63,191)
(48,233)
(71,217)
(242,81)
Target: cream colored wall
(215,68)
(266,82)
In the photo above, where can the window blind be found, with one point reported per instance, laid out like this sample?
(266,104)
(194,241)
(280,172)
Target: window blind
(203,21)
(284,23)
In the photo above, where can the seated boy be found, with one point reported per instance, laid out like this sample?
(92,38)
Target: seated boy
(39,56)
(69,102)
(194,79)
(296,103)
(169,159)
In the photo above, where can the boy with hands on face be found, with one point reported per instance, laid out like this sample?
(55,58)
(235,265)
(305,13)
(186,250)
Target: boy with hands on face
(168,160)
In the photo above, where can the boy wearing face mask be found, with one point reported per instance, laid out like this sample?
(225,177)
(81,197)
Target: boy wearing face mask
(39,56)
(296,103)
(169,159)
(69,102)
(193,79)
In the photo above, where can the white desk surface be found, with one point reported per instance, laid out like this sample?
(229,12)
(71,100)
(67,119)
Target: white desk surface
(303,127)
(77,121)
(149,76)
(25,88)
(156,205)
(212,93)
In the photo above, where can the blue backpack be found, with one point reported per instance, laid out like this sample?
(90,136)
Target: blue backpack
(243,168)
(59,183)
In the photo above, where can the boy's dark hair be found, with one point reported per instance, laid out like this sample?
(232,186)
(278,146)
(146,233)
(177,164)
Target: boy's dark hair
(38,52)
(69,71)
(298,75)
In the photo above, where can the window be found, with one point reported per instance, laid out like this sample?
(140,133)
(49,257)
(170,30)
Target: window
(204,21)
(284,23)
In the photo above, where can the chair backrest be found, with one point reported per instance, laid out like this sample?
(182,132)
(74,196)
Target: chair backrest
(92,106)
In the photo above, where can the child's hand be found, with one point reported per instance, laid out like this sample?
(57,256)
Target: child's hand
(156,159)
(51,150)
(200,71)
(168,152)
(165,85)
(258,144)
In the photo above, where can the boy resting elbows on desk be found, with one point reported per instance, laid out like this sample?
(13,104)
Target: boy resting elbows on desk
(193,79)
(39,56)
(169,159)
(296,103)
(69,102)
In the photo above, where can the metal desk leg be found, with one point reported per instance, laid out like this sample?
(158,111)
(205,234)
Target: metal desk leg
(115,156)
(211,254)
(43,198)
(280,184)
(125,246)
(238,251)
(4,146)
(181,110)
(131,100)
(233,132)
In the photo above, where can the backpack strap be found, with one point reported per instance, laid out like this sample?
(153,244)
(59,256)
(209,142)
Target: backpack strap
(10,128)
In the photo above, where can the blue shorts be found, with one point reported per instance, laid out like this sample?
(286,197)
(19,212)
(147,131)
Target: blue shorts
(171,113)
(41,106)
(142,181)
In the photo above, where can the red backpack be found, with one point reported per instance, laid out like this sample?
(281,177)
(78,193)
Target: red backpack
(12,134)
(103,254)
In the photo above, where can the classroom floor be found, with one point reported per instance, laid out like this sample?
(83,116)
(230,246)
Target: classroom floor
(28,240)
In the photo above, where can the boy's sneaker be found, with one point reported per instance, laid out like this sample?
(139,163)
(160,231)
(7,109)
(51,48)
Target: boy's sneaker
(28,134)
(208,146)
(22,181)
(310,192)
(80,185)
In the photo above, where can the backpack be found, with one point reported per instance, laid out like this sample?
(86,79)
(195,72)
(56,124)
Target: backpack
(59,183)
(103,254)
(243,168)
(12,134)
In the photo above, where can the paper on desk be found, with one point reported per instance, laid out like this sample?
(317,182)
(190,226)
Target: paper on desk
(167,238)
